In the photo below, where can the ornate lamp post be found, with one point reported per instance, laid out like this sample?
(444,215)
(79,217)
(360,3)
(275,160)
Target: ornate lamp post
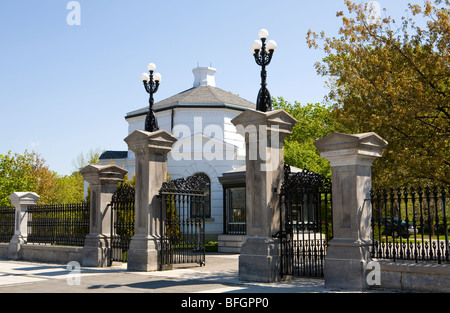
(151,84)
(263,55)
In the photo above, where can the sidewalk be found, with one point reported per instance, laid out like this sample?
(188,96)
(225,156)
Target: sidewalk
(219,275)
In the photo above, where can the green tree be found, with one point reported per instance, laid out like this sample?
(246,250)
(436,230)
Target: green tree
(29,172)
(85,159)
(70,188)
(13,175)
(315,121)
(393,79)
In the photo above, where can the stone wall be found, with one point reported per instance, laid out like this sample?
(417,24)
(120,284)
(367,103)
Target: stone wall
(52,254)
(46,253)
(419,277)
(4,250)
(230,243)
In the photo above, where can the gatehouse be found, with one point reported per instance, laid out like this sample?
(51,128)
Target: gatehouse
(284,222)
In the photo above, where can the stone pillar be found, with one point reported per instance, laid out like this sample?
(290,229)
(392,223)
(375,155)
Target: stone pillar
(103,180)
(21,201)
(351,158)
(264,133)
(151,149)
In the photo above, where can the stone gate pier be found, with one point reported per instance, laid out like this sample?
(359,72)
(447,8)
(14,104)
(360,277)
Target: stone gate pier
(151,149)
(351,158)
(264,134)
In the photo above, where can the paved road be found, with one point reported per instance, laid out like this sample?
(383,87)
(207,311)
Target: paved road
(220,275)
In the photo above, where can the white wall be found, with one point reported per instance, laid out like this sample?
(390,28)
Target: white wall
(196,121)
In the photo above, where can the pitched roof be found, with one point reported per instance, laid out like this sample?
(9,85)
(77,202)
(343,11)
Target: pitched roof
(198,97)
(113,155)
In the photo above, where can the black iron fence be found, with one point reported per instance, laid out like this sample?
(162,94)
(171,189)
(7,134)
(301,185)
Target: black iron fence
(411,224)
(7,222)
(58,224)
(182,225)
(237,226)
(122,222)
(306,208)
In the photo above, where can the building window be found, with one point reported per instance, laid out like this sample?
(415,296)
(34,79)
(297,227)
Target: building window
(235,211)
(196,211)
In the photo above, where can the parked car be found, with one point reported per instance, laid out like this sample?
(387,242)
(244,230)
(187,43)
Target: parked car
(393,227)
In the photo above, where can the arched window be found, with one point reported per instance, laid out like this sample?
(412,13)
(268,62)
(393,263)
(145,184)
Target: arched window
(207,206)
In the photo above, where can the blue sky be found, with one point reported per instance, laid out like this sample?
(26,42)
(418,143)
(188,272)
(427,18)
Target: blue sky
(66,89)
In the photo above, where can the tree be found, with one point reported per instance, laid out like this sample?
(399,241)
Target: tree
(315,121)
(394,80)
(70,188)
(85,159)
(13,175)
(29,172)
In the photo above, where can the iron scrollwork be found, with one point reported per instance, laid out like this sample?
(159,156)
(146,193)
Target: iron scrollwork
(151,86)
(195,184)
(263,59)
(304,182)
(125,193)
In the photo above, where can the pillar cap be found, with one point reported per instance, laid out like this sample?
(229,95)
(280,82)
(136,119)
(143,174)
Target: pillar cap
(95,174)
(279,118)
(23,198)
(344,149)
(158,142)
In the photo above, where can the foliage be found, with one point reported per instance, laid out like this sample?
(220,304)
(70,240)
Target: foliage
(212,246)
(172,226)
(70,188)
(25,172)
(126,181)
(29,172)
(13,170)
(315,121)
(84,159)
(393,79)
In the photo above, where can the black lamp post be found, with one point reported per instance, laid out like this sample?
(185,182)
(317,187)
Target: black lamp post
(263,55)
(151,84)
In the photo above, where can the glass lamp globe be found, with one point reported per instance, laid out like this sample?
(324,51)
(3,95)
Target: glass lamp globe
(157,77)
(271,45)
(151,67)
(263,33)
(257,45)
(145,77)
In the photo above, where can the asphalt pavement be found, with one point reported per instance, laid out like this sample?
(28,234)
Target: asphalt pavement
(219,275)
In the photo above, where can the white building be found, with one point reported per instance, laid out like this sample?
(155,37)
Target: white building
(208,143)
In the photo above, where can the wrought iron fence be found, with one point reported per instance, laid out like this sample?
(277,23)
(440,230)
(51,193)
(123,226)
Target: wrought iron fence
(306,208)
(7,223)
(183,221)
(122,222)
(237,228)
(58,224)
(411,224)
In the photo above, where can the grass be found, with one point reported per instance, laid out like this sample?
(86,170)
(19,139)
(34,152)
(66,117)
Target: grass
(212,246)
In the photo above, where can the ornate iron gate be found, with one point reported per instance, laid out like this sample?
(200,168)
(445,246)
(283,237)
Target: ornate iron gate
(183,221)
(122,222)
(305,202)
